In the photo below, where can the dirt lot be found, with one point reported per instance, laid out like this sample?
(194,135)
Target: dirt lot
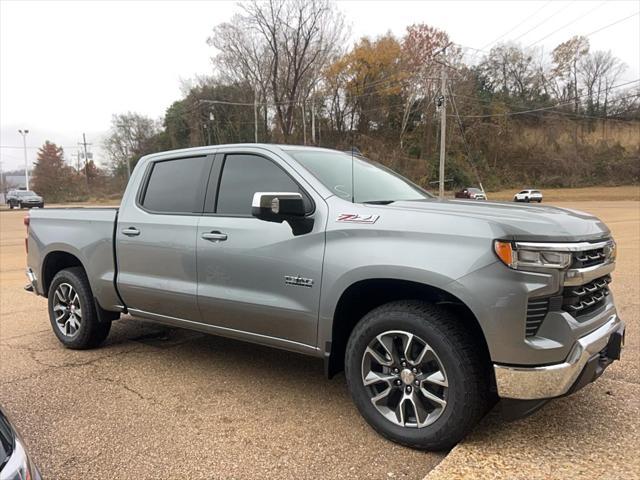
(165,403)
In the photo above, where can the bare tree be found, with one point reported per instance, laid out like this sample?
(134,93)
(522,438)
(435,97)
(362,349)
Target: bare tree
(599,71)
(129,137)
(512,70)
(566,57)
(301,36)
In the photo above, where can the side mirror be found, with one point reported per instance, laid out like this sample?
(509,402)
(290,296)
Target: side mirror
(277,206)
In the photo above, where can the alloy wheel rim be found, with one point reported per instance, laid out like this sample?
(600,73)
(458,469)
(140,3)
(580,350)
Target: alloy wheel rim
(67,310)
(405,379)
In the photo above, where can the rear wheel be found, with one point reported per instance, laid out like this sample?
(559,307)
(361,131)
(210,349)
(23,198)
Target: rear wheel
(416,375)
(527,199)
(72,311)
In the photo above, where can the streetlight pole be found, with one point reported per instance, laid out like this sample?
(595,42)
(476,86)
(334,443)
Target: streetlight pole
(26,165)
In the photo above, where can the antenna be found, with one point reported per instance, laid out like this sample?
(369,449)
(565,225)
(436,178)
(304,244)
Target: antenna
(353,183)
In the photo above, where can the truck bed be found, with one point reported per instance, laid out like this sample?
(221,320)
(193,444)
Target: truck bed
(85,233)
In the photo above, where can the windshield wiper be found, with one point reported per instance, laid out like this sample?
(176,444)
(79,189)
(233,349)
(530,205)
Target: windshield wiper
(380,202)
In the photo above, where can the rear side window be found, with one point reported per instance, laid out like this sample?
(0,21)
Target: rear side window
(243,175)
(175,186)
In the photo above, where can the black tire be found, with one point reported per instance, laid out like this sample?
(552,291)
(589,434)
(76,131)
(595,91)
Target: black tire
(91,332)
(527,200)
(468,396)
(20,205)
(41,205)
(10,205)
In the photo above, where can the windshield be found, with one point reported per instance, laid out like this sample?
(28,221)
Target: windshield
(372,182)
(25,193)
(475,190)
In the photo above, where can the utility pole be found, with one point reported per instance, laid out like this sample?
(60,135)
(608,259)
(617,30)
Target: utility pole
(313,121)
(26,165)
(304,125)
(443,128)
(86,157)
(255,115)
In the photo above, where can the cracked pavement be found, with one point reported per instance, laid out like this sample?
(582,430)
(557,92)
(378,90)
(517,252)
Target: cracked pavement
(158,403)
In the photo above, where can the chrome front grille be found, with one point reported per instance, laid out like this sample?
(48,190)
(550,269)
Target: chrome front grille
(584,299)
(589,258)
(537,309)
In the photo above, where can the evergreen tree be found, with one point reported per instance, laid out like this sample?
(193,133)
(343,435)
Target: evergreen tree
(52,178)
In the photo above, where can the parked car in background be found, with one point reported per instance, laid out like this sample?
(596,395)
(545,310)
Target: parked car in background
(471,193)
(528,196)
(15,463)
(24,199)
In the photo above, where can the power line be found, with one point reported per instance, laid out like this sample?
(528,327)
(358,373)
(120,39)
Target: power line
(541,109)
(567,24)
(464,137)
(514,28)
(488,100)
(612,24)
(66,147)
(544,21)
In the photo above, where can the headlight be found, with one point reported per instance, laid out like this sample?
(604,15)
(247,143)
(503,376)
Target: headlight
(525,257)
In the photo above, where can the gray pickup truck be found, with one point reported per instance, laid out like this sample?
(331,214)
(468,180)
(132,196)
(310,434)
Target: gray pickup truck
(433,309)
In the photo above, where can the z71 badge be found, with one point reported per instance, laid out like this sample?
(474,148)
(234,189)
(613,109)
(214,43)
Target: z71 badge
(356,218)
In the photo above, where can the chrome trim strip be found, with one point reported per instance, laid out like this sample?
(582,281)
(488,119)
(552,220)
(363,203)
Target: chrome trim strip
(531,383)
(564,247)
(580,276)
(226,332)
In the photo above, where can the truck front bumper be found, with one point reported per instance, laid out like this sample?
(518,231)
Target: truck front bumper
(586,361)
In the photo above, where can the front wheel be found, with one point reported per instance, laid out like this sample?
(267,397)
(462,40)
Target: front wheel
(416,375)
(20,205)
(72,311)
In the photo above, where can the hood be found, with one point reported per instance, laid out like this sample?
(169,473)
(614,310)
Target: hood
(518,222)
(30,197)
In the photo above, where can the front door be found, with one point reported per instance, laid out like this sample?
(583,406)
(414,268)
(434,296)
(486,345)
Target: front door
(256,276)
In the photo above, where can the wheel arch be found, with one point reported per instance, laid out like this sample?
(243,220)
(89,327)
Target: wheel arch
(55,261)
(58,260)
(362,296)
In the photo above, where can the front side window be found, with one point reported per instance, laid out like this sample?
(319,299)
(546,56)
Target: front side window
(174,186)
(371,181)
(243,175)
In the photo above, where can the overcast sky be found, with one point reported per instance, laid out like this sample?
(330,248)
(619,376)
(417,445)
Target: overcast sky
(66,67)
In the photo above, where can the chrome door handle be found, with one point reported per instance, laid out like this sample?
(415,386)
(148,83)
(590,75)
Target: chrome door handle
(131,232)
(221,237)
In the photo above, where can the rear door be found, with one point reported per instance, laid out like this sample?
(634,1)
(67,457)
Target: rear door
(156,238)
(259,277)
